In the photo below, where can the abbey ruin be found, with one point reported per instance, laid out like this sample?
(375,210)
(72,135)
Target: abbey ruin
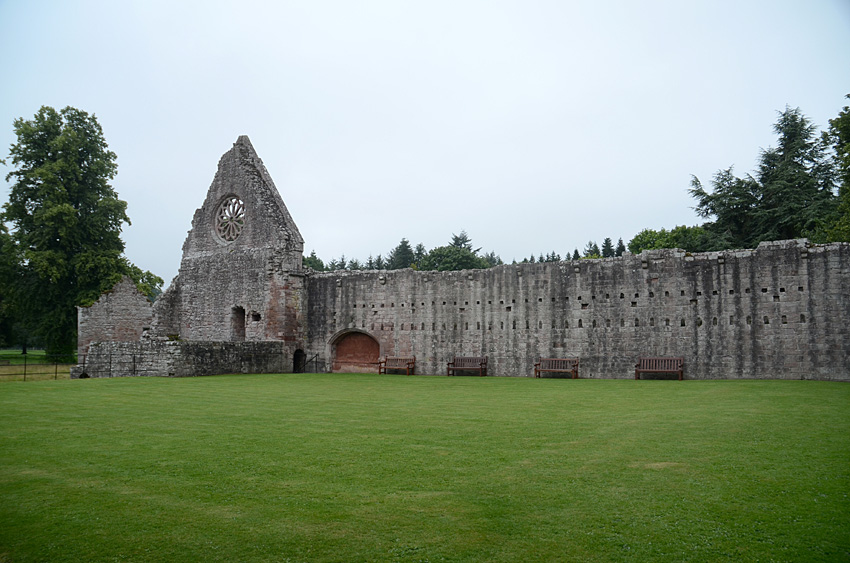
(243,303)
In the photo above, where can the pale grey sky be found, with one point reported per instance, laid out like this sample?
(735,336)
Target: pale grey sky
(533,125)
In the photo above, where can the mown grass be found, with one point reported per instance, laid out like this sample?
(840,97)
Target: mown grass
(392,468)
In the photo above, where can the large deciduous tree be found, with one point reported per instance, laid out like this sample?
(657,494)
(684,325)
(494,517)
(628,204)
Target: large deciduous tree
(66,222)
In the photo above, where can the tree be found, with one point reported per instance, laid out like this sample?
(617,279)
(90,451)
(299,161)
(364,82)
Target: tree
(66,221)
(607,248)
(576,255)
(419,253)
(649,239)
(791,195)
(401,256)
(314,262)
(591,250)
(444,258)
(621,248)
(463,241)
(839,137)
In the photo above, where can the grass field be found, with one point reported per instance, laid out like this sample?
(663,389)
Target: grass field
(392,468)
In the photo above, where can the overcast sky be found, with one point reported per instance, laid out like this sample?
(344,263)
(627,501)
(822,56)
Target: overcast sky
(533,125)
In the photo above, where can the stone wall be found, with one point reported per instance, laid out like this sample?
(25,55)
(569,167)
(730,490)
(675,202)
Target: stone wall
(119,315)
(776,312)
(183,359)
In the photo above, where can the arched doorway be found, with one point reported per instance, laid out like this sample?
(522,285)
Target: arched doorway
(355,352)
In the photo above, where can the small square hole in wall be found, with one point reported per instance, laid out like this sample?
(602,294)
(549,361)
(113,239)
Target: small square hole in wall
(800,288)
(634,303)
(637,295)
(764,290)
(731,292)
(256,317)
(714,292)
(781,290)
(501,302)
(651,294)
(731,319)
(508,309)
(683,322)
(513,300)
(775,298)
(683,293)
(666,322)
(749,320)
(766,320)
(607,296)
(666,294)
(478,302)
(540,300)
(784,320)
(699,293)
(747,290)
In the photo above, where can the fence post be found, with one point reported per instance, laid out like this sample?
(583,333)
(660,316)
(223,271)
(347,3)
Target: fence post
(25,367)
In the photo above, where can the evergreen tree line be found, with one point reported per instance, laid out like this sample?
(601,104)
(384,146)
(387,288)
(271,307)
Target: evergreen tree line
(801,188)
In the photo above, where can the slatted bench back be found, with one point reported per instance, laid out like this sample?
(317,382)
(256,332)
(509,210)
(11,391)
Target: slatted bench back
(560,364)
(660,364)
(461,362)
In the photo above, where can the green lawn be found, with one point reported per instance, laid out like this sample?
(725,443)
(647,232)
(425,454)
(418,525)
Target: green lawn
(392,468)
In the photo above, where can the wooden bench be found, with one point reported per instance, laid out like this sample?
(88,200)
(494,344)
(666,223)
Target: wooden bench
(396,362)
(467,363)
(660,365)
(560,365)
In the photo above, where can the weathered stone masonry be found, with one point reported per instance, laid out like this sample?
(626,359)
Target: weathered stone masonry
(241,302)
(777,312)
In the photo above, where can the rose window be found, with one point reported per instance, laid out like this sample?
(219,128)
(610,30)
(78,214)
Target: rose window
(230,218)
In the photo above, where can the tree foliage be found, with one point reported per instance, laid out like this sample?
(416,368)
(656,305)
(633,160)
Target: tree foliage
(839,137)
(452,257)
(66,222)
(791,195)
(402,256)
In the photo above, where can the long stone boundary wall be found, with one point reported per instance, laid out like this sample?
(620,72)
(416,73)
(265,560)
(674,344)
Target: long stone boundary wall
(778,312)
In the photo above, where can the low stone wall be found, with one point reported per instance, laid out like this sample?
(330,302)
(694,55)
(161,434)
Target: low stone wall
(183,359)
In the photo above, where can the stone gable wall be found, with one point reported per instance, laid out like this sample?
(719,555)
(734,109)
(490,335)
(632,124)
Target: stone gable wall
(119,315)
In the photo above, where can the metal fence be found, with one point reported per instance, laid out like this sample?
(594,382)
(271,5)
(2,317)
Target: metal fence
(24,367)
